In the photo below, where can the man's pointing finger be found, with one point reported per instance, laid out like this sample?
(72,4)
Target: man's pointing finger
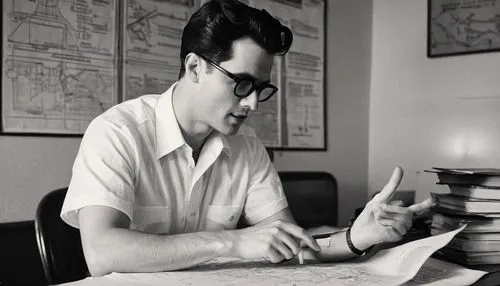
(388,191)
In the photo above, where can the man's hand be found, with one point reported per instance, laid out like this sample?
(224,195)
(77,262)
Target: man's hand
(382,221)
(274,242)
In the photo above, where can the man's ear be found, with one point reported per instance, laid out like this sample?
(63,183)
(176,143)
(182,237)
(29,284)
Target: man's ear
(192,62)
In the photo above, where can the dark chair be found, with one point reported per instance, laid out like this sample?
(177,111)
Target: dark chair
(59,244)
(19,255)
(270,152)
(312,197)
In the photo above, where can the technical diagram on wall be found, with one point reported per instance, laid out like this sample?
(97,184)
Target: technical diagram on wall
(58,64)
(152,41)
(66,61)
(463,27)
(300,111)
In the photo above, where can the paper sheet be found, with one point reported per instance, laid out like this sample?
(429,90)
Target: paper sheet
(394,266)
(438,272)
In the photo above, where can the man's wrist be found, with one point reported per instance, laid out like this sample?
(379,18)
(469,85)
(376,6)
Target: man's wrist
(352,247)
(227,239)
(358,240)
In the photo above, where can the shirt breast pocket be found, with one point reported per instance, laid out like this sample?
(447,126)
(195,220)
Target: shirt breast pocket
(222,217)
(155,219)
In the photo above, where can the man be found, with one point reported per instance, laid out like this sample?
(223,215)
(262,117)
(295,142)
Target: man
(160,182)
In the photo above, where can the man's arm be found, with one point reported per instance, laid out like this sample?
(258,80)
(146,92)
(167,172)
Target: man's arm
(109,246)
(337,251)
(381,221)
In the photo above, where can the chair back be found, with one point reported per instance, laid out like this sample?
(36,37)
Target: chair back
(59,244)
(19,255)
(312,197)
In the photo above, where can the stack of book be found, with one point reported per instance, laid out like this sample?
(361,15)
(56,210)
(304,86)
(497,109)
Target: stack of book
(474,199)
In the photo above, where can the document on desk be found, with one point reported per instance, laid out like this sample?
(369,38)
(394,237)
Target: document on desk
(441,273)
(407,264)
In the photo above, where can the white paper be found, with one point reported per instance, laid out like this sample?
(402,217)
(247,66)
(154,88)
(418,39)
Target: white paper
(393,266)
(438,272)
(405,260)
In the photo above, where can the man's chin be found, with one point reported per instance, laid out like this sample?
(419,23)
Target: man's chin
(233,132)
(230,130)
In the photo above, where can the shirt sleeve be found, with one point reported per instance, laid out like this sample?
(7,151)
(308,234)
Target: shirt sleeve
(265,195)
(103,171)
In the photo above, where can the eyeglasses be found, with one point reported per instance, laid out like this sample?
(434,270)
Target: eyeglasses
(245,86)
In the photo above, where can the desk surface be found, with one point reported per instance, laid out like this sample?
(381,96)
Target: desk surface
(243,273)
(239,272)
(490,279)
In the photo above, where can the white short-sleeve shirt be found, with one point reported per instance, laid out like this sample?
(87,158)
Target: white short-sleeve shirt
(134,158)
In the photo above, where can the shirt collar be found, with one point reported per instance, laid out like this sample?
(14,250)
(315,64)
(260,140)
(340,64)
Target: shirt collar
(217,141)
(168,132)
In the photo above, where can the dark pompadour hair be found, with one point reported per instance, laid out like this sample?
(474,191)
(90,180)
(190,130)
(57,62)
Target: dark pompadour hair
(213,28)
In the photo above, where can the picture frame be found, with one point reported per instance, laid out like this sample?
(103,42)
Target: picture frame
(56,77)
(459,27)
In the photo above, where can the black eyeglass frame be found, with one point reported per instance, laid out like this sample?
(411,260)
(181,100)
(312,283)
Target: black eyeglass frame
(238,79)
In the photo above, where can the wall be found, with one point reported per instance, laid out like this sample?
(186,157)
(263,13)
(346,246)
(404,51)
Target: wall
(427,112)
(29,168)
(32,166)
(348,81)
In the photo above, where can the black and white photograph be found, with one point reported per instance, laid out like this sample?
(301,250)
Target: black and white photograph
(250,142)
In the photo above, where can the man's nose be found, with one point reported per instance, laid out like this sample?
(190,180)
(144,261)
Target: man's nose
(251,101)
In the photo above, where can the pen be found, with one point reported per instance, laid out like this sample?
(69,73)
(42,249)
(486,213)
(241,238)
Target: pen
(317,236)
(323,235)
(301,257)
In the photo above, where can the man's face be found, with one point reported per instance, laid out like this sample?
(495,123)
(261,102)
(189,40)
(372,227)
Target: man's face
(218,106)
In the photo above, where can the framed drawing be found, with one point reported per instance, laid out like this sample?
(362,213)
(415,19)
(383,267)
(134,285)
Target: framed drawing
(66,62)
(295,118)
(58,68)
(458,27)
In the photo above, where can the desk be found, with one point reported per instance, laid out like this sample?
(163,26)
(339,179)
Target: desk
(227,271)
(253,273)
(490,279)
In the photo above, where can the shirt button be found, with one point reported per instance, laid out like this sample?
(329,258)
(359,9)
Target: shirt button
(231,218)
